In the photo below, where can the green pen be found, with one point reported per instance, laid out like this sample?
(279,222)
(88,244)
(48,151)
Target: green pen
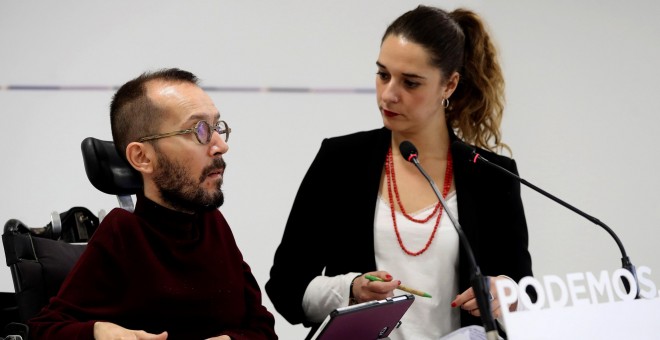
(401,287)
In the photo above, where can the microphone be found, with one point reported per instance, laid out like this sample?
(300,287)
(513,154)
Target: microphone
(480,284)
(625,261)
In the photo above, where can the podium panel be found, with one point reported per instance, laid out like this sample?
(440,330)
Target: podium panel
(636,319)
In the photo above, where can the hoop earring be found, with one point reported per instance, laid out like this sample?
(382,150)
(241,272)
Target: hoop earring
(445,102)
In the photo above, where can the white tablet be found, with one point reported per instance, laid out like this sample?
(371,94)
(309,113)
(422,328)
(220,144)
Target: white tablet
(367,320)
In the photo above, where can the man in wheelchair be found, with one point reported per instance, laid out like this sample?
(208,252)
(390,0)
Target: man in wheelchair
(171,269)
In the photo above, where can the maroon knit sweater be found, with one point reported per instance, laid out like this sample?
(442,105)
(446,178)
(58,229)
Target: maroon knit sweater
(159,270)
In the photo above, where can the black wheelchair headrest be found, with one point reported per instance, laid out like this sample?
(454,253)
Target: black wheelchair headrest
(107,170)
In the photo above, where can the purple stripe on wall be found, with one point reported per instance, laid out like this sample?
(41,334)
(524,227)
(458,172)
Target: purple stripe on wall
(206,88)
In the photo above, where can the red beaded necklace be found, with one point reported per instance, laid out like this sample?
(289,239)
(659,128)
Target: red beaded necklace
(391,186)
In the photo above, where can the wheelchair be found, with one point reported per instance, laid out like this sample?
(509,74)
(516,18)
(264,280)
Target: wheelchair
(40,258)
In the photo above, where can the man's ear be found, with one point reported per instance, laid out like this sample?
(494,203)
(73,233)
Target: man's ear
(141,156)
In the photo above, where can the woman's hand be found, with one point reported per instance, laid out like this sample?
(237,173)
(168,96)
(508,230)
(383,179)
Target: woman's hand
(367,290)
(111,331)
(468,301)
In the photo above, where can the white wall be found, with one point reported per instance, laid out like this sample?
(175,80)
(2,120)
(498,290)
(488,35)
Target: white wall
(581,118)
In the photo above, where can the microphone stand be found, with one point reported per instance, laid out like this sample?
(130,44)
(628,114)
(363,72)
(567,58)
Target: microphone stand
(625,260)
(480,284)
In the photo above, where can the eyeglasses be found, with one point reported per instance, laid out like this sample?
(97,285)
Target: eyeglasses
(202,130)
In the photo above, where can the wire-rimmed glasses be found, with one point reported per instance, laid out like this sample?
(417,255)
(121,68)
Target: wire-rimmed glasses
(202,130)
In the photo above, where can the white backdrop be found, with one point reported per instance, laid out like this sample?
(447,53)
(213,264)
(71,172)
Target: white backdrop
(581,119)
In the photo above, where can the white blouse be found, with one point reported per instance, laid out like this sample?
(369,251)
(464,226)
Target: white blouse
(435,271)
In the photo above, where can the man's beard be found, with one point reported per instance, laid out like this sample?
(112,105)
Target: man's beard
(180,190)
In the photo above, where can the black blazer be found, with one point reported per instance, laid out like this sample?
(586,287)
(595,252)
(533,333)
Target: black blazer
(331,224)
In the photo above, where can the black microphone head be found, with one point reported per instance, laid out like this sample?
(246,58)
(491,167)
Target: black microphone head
(467,148)
(463,146)
(408,150)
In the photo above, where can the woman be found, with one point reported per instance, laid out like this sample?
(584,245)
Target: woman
(438,81)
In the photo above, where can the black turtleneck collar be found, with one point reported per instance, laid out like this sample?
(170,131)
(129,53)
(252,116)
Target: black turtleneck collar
(170,223)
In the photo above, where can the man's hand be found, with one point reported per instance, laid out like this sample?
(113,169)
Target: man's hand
(111,331)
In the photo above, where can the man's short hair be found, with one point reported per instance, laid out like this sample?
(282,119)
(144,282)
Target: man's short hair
(133,114)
